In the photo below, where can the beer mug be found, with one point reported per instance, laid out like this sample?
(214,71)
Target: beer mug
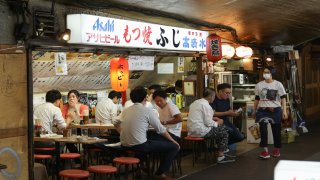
(85,116)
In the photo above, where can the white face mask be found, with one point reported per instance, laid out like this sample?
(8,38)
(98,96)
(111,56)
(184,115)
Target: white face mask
(266,76)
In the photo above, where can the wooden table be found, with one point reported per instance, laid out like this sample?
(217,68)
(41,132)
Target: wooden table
(58,140)
(95,126)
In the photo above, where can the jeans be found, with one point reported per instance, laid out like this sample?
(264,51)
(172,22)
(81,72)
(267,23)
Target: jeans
(168,149)
(234,134)
(276,133)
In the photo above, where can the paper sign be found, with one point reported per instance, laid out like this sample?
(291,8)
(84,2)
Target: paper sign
(180,64)
(141,63)
(61,63)
(165,68)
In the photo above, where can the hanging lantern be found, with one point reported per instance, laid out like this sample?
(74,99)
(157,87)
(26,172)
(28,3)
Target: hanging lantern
(248,52)
(227,50)
(119,74)
(241,51)
(213,47)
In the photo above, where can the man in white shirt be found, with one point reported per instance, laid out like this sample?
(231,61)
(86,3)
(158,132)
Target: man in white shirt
(201,123)
(50,114)
(106,109)
(135,124)
(169,114)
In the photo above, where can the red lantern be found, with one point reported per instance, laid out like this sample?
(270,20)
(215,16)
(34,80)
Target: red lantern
(213,47)
(119,74)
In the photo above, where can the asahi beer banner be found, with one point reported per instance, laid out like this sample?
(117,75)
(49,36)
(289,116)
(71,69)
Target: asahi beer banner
(105,31)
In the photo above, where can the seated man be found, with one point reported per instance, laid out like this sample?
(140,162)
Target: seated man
(106,109)
(222,109)
(201,123)
(135,124)
(50,114)
(169,114)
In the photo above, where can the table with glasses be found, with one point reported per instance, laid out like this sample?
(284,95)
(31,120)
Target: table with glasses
(58,140)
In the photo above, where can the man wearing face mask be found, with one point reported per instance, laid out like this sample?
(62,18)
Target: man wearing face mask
(270,107)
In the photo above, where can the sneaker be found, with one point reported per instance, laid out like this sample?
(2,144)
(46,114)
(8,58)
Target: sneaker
(276,152)
(230,155)
(264,155)
(226,160)
(226,151)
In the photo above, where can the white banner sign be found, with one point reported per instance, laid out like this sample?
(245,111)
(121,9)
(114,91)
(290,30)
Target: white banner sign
(97,30)
(141,63)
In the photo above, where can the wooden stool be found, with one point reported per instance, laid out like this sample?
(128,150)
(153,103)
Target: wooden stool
(74,174)
(196,142)
(69,156)
(127,161)
(102,169)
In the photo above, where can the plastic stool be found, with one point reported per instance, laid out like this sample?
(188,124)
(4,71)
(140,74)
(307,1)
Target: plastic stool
(102,169)
(74,174)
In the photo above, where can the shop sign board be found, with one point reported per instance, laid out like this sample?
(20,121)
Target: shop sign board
(106,31)
(145,63)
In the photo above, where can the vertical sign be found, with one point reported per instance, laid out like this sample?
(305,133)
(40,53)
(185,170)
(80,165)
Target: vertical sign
(180,64)
(61,63)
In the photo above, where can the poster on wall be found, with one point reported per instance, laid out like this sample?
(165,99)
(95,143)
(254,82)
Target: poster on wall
(61,63)
(180,64)
(145,63)
(165,68)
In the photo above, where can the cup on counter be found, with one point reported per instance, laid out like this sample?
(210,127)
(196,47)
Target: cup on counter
(85,116)
(66,132)
(84,133)
(74,132)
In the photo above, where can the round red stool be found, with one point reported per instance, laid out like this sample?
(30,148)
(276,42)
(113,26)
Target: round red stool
(45,149)
(127,161)
(97,152)
(44,159)
(102,169)
(74,173)
(196,142)
(42,156)
(69,156)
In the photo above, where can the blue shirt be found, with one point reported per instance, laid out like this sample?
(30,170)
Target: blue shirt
(222,105)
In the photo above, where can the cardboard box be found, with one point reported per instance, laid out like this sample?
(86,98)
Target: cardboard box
(287,137)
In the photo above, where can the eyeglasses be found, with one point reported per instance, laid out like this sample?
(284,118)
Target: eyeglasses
(227,92)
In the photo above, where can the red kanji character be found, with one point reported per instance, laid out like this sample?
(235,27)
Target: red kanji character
(136,29)
(196,33)
(126,34)
(146,35)
(189,33)
(192,33)
(200,34)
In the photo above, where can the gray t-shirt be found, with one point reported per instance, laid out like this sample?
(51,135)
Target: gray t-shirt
(270,93)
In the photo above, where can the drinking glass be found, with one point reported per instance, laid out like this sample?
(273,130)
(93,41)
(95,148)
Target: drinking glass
(84,133)
(74,132)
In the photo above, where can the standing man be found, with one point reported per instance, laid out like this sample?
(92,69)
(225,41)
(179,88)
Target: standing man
(222,109)
(201,123)
(135,124)
(270,107)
